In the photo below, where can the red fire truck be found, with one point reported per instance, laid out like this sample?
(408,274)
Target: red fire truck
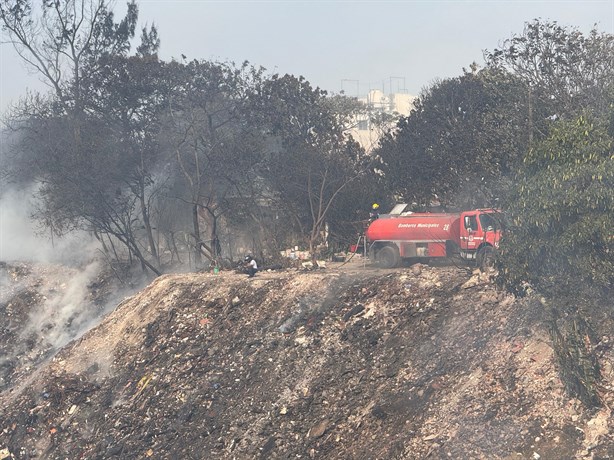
(400,235)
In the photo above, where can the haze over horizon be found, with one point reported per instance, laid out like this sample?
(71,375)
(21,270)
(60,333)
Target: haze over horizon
(351,46)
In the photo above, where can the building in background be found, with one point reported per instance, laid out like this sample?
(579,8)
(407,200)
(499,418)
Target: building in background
(382,113)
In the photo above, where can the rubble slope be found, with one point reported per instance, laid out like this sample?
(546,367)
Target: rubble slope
(422,362)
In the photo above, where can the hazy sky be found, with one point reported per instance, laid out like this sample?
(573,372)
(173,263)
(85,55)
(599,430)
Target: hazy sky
(349,45)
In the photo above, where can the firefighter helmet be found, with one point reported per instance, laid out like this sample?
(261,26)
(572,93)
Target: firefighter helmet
(375,206)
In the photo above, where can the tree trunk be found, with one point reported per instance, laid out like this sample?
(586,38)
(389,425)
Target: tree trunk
(216,248)
(133,246)
(196,228)
(147,224)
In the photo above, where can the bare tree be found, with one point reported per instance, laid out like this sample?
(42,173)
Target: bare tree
(62,38)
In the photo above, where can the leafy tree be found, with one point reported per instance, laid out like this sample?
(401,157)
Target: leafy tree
(561,244)
(563,211)
(561,204)
(76,135)
(128,94)
(314,162)
(565,71)
(214,147)
(463,138)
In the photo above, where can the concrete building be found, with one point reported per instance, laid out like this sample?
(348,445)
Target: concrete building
(383,111)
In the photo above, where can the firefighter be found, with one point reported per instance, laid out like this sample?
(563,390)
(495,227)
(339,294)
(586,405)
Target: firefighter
(374,214)
(250,265)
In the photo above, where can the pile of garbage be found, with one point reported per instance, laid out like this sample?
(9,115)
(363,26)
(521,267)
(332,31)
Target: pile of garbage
(413,363)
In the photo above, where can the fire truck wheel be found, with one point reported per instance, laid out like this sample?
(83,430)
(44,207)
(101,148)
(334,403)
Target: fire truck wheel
(388,257)
(485,258)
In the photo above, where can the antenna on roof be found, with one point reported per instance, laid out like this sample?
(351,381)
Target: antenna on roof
(398,88)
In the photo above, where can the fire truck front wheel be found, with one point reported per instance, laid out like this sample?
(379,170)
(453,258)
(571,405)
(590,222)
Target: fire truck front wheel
(388,257)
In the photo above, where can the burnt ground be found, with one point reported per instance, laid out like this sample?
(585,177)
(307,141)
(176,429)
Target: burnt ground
(347,363)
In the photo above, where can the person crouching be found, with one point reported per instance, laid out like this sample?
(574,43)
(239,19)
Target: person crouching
(251,266)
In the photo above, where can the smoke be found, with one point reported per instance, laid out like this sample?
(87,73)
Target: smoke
(21,240)
(67,308)
(60,270)
(52,291)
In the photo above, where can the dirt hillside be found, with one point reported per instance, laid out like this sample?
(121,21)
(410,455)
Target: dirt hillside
(342,363)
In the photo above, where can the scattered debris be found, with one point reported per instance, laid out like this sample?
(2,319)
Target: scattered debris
(354,363)
(318,430)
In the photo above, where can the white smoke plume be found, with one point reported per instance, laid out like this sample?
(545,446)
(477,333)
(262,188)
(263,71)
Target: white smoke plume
(21,240)
(67,309)
(51,291)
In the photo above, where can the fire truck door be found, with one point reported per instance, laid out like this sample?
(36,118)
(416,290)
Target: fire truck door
(468,231)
